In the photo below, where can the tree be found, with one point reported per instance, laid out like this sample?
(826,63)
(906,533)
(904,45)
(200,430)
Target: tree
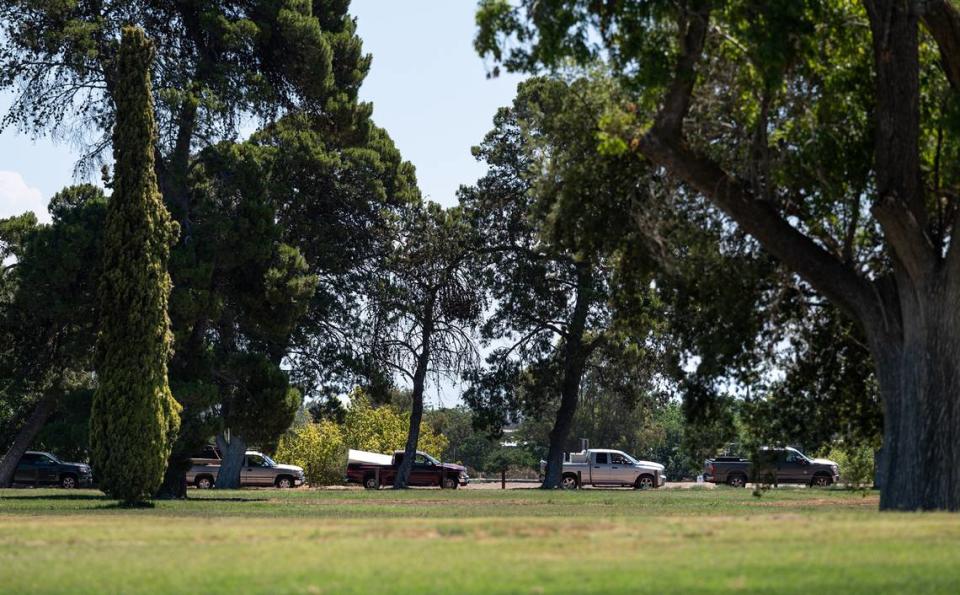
(218,63)
(828,394)
(134,418)
(48,319)
(424,305)
(833,152)
(547,270)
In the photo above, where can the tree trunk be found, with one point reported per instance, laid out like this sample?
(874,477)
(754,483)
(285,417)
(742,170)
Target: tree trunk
(402,479)
(574,359)
(232,449)
(25,435)
(919,378)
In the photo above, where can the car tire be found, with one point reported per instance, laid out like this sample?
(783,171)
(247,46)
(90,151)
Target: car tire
(450,483)
(645,482)
(204,482)
(737,480)
(821,481)
(371,483)
(284,482)
(569,482)
(69,482)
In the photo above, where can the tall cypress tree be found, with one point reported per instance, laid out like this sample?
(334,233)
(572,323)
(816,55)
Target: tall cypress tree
(134,417)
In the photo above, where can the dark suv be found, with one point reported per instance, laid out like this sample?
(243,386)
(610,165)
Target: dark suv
(42,468)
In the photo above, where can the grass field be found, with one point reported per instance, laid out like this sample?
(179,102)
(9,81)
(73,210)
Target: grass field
(483,541)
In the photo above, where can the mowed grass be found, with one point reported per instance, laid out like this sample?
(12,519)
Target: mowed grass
(475,541)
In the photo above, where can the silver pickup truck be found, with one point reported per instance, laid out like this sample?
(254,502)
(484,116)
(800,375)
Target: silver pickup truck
(604,467)
(258,470)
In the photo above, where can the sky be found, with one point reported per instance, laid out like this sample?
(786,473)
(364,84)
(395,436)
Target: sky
(428,87)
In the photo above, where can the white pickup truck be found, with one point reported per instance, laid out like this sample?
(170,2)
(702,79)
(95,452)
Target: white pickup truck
(605,467)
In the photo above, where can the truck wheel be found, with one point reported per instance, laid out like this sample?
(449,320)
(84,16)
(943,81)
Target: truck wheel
(284,482)
(371,483)
(569,482)
(821,481)
(450,483)
(644,482)
(68,482)
(737,480)
(204,482)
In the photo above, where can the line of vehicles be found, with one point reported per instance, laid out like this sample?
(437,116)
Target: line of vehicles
(599,467)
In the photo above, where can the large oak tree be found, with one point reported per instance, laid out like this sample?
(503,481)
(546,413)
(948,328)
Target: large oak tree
(827,131)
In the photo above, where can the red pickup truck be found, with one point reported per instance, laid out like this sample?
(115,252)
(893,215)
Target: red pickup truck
(373,470)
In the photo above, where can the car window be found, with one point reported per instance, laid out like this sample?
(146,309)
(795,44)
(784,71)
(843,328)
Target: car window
(601,458)
(45,460)
(617,458)
(256,461)
(29,459)
(421,459)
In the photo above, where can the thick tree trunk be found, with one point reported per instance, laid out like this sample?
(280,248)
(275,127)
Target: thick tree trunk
(919,379)
(574,359)
(232,449)
(25,435)
(402,479)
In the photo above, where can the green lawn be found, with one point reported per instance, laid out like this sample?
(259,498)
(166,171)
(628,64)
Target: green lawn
(481,541)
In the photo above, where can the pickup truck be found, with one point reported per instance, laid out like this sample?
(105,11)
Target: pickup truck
(604,467)
(774,465)
(258,470)
(42,468)
(373,470)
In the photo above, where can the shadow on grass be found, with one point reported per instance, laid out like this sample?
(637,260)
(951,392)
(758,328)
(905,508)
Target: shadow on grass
(56,497)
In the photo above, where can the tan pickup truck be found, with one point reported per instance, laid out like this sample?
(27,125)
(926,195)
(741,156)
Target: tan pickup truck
(258,470)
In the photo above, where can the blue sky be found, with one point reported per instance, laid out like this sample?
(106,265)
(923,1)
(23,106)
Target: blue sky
(427,85)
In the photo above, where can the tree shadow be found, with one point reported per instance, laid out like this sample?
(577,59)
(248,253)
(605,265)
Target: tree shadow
(55,497)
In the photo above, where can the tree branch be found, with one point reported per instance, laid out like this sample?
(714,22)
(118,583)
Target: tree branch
(942,19)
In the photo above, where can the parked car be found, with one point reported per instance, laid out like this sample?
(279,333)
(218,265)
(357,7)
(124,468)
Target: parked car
(605,467)
(258,470)
(774,465)
(373,470)
(42,468)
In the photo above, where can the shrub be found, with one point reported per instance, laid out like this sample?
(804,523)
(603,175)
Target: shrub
(856,464)
(318,448)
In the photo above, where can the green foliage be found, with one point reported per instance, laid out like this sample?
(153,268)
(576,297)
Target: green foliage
(384,429)
(321,447)
(218,64)
(134,418)
(48,314)
(857,464)
(258,404)
(467,445)
(318,448)
(509,458)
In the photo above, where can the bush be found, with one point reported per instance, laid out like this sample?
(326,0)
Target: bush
(383,429)
(856,464)
(318,448)
(321,448)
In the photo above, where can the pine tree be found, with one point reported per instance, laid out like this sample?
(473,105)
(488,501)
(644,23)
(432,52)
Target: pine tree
(134,417)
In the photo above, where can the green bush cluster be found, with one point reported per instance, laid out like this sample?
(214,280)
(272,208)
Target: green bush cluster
(321,447)
(856,464)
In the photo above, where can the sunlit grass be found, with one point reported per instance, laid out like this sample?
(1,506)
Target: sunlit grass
(516,541)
